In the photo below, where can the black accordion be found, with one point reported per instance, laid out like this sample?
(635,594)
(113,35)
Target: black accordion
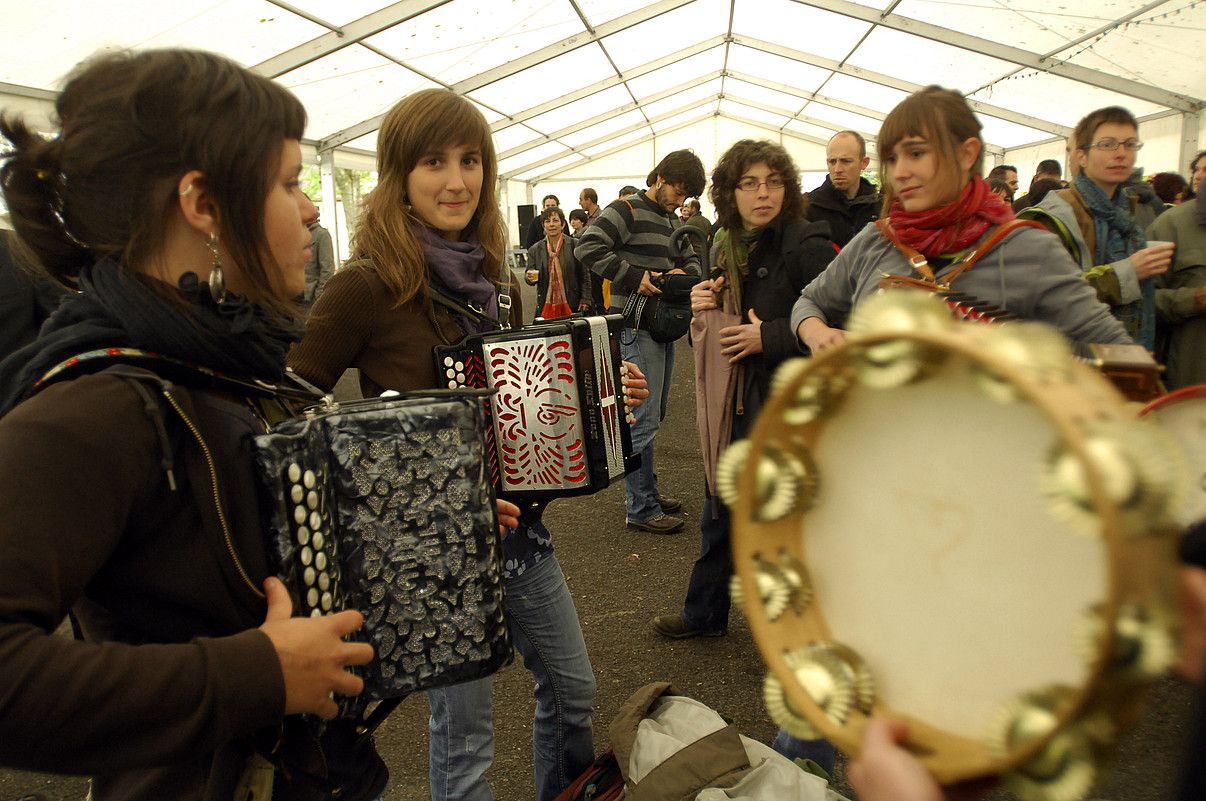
(557,425)
(385,506)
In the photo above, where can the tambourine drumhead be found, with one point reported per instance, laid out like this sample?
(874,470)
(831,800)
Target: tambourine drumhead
(934,556)
(1183,415)
(947,570)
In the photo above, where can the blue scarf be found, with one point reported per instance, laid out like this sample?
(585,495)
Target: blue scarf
(1118,236)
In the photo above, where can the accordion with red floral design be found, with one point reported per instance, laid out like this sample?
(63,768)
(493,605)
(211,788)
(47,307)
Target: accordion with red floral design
(557,420)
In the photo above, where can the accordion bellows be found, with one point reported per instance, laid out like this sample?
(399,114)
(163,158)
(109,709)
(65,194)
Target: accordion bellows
(386,506)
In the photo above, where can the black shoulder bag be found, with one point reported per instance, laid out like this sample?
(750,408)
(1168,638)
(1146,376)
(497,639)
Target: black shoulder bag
(668,316)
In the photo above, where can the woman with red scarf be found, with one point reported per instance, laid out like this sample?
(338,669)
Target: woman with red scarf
(936,204)
(562,282)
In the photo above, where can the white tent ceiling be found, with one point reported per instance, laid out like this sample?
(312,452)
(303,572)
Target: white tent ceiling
(564,82)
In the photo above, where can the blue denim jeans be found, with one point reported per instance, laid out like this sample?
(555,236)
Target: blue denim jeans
(544,625)
(656,361)
(821,752)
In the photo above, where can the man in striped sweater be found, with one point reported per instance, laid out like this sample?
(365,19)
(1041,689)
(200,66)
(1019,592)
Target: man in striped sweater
(628,245)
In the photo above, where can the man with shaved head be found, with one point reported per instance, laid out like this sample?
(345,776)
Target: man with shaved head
(846,200)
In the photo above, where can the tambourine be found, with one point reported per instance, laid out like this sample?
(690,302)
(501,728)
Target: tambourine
(1183,415)
(961,527)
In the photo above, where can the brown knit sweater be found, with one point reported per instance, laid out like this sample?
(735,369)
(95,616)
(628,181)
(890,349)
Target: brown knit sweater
(357,323)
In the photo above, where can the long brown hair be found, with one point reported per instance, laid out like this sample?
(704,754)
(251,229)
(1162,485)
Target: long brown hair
(733,164)
(131,125)
(418,124)
(940,116)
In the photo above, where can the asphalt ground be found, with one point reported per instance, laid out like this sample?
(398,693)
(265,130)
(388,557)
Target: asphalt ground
(620,580)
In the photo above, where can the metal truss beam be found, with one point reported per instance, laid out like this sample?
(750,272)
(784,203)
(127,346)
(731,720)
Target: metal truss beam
(609,136)
(608,83)
(350,34)
(651,136)
(567,45)
(1003,52)
(31,92)
(896,83)
(611,114)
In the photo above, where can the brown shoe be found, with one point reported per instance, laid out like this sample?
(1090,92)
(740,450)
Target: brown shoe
(672,626)
(662,524)
(669,505)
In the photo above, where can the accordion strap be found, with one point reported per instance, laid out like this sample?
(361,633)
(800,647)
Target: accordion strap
(970,257)
(182,372)
(475,313)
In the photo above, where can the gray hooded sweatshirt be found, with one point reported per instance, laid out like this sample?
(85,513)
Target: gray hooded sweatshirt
(1028,273)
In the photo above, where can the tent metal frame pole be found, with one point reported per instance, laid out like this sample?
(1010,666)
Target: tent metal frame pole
(1003,52)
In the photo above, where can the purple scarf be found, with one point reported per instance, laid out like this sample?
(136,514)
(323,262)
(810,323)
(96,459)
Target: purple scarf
(458,267)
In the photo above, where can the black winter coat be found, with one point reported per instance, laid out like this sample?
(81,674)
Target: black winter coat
(788,256)
(845,217)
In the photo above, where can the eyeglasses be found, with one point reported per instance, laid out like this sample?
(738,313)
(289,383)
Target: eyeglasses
(751,184)
(1110,145)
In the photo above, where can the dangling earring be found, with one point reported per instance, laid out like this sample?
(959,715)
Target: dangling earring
(406,207)
(217,282)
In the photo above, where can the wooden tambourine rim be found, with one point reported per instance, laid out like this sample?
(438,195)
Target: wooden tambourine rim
(951,758)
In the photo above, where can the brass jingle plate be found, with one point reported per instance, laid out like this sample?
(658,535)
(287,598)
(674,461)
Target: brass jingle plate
(1141,472)
(1144,643)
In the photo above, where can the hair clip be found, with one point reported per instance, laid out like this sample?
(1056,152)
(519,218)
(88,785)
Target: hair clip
(41,174)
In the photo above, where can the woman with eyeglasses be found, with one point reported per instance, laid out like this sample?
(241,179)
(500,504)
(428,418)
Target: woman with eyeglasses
(741,332)
(936,204)
(1094,219)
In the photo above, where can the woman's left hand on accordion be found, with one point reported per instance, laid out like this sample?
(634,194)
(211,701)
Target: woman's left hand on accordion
(313,654)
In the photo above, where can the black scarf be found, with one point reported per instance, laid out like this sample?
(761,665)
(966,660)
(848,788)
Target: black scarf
(116,308)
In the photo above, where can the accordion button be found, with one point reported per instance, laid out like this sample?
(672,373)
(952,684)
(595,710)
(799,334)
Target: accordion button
(447,361)
(309,576)
(315,520)
(324,581)
(312,598)
(460,366)
(303,535)
(460,377)
(319,540)
(450,373)
(320,561)
(327,600)
(315,613)
(297,493)
(312,499)
(299,514)
(452,385)
(294,472)
(308,479)
(307,555)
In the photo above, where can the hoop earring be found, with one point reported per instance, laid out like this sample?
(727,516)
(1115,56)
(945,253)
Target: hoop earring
(217,282)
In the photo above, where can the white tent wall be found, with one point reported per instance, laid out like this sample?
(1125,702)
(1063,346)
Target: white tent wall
(37,112)
(1027,159)
(768,68)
